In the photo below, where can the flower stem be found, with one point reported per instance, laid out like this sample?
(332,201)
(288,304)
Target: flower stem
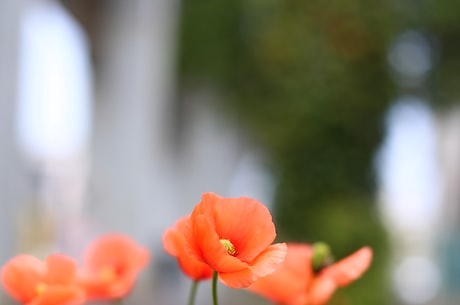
(191,297)
(117,302)
(214,288)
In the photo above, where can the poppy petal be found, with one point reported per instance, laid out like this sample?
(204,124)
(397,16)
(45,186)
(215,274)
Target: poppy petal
(212,251)
(195,269)
(121,286)
(281,288)
(206,205)
(269,260)
(99,287)
(96,286)
(321,290)
(174,244)
(112,264)
(21,275)
(248,237)
(116,249)
(173,239)
(61,269)
(141,258)
(287,285)
(60,294)
(238,279)
(350,268)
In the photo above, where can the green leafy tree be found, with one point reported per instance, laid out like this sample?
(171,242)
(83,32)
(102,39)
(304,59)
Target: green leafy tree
(309,80)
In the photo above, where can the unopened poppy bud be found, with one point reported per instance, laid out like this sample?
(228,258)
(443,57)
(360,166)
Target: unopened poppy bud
(321,255)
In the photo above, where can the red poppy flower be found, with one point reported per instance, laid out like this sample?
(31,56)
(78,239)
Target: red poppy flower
(296,283)
(174,244)
(31,281)
(111,266)
(233,236)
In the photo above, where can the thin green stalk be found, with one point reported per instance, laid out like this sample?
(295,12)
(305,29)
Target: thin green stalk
(192,295)
(117,302)
(214,288)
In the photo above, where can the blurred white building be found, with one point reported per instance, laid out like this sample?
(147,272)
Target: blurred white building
(90,135)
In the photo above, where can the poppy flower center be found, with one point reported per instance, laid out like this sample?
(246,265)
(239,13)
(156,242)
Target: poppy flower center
(228,246)
(40,289)
(108,273)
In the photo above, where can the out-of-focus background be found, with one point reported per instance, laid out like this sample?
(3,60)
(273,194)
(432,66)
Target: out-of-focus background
(341,116)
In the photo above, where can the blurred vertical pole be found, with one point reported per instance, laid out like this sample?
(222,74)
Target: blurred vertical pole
(449,143)
(132,157)
(448,247)
(10,169)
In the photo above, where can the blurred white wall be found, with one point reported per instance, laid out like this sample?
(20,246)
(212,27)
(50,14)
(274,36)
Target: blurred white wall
(77,162)
(11,184)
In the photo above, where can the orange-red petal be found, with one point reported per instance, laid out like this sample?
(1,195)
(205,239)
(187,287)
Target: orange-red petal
(118,255)
(32,282)
(247,223)
(349,268)
(61,269)
(228,216)
(263,265)
(174,244)
(173,240)
(294,282)
(321,290)
(212,251)
(288,284)
(233,236)
(60,295)
(269,260)
(113,249)
(238,279)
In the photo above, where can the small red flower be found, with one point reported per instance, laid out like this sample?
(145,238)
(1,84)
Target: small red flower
(174,244)
(234,237)
(31,281)
(111,266)
(296,283)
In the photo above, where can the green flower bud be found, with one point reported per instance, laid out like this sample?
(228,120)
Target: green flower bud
(321,256)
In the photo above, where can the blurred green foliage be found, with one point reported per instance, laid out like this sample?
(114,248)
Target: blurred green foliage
(309,80)
(443,26)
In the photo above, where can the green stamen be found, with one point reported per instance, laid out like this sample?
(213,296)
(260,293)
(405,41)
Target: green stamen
(228,246)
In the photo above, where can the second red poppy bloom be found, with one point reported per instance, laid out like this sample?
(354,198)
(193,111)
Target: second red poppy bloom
(296,282)
(111,266)
(33,282)
(234,237)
